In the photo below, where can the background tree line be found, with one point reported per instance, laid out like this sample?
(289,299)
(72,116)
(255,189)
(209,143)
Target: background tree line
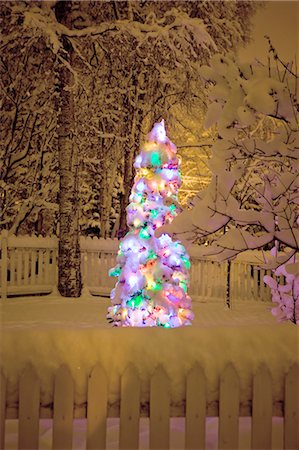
(121,79)
(81,85)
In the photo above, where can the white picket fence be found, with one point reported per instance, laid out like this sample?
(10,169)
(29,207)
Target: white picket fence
(29,265)
(196,409)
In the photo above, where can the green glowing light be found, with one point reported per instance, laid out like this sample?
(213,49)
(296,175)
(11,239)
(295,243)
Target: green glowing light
(186,262)
(172,208)
(166,325)
(144,233)
(135,301)
(155,287)
(155,159)
(183,285)
(114,272)
(139,198)
(151,255)
(154,213)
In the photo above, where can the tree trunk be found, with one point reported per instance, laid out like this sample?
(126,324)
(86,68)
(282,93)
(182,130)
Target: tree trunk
(69,257)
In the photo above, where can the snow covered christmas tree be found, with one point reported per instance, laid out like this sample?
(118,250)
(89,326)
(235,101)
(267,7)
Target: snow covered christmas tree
(153,273)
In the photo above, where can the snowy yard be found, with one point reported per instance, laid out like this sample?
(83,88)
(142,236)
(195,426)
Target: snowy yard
(48,331)
(83,83)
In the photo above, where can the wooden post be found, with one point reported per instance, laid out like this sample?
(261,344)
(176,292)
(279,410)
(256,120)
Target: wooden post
(261,430)
(97,409)
(229,409)
(4,263)
(129,409)
(195,409)
(29,403)
(63,410)
(159,410)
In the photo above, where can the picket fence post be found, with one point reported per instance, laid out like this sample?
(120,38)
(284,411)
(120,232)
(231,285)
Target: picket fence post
(4,263)
(129,409)
(195,409)
(229,409)
(97,399)
(261,428)
(159,410)
(29,403)
(63,410)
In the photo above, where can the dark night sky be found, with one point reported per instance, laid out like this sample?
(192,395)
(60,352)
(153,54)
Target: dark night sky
(280,20)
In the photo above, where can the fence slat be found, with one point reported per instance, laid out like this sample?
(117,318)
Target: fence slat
(26,266)
(12,266)
(33,266)
(129,409)
(248,282)
(4,263)
(291,414)
(40,266)
(262,285)
(159,410)
(19,254)
(47,276)
(234,289)
(242,281)
(55,267)
(2,410)
(229,409)
(29,403)
(195,409)
(255,283)
(97,398)
(202,281)
(261,429)
(63,409)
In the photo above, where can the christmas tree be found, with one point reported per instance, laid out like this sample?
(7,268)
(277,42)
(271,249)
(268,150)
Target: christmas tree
(153,273)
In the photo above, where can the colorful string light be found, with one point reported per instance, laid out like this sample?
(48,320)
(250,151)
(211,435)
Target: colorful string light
(153,273)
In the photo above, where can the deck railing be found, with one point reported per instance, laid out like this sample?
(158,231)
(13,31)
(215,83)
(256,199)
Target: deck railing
(29,265)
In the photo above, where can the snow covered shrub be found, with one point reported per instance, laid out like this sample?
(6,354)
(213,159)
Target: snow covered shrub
(252,200)
(286,296)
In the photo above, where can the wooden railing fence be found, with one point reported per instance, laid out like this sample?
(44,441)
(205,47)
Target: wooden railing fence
(261,409)
(29,265)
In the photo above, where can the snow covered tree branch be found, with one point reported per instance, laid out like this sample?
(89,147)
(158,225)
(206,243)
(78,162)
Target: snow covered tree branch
(254,188)
(28,180)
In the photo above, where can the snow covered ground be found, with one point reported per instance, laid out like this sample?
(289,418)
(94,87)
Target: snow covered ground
(49,330)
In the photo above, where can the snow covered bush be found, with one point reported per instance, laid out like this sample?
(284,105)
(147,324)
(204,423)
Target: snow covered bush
(286,296)
(252,200)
